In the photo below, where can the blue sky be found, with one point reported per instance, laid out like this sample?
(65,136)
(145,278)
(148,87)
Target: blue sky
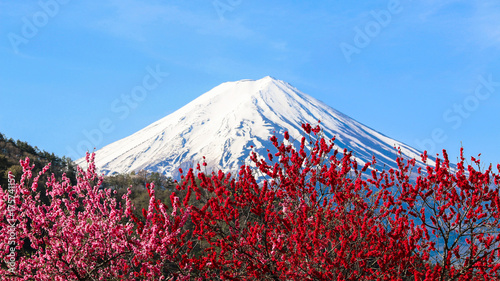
(79,73)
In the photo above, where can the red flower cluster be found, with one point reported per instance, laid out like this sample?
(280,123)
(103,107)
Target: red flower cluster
(311,214)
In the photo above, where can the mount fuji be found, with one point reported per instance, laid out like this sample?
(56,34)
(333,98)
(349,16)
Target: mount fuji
(223,124)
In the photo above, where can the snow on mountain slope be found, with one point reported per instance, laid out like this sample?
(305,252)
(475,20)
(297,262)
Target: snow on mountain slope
(225,122)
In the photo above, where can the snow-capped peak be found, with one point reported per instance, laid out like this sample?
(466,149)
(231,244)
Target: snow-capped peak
(225,122)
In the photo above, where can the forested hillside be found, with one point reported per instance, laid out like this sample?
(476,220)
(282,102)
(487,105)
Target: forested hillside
(12,151)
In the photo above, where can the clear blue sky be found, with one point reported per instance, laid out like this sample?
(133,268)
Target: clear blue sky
(423,72)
